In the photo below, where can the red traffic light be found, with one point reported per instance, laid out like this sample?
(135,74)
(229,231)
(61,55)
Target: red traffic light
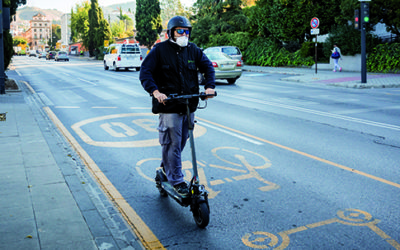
(356,19)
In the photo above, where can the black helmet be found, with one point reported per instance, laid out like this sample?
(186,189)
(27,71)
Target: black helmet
(177,21)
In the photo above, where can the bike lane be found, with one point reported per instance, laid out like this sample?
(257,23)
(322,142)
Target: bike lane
(258,197)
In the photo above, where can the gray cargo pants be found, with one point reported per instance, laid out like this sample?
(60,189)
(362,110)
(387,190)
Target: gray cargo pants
(173,134)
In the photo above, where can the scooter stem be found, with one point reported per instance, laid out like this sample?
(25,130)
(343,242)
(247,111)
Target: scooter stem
(191,139)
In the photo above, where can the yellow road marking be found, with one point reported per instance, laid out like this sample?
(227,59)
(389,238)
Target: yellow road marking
(142,231)
(307,155)
(29,87)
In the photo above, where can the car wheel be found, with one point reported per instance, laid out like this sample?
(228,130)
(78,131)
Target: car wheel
(105,66)
(200,78)
(231,80)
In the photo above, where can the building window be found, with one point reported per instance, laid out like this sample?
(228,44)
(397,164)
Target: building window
(34,30)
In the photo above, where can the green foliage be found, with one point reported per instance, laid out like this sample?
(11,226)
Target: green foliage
(56,35)
(265,52)
(384,58)
(80,23)
(387,12)
(19,40)
(214,18)
(171,8)
(348,40)
(308,50)
(239,39)
(8,48)
(148,21)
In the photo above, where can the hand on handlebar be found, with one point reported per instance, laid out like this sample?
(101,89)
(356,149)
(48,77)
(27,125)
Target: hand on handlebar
(211,92)
(159,96)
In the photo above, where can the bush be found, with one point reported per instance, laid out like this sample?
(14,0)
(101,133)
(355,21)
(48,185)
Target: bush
(384,58)
(264,52)
(308,49)
(241,40)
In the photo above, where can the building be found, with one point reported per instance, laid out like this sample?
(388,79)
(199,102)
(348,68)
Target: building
(39,32)
(65,30)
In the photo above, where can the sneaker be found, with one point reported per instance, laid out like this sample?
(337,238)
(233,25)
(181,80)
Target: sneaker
(340,69)
(182,189)
(334,70)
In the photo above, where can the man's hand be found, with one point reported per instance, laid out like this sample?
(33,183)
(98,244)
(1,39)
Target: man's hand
(159,96)
(210,91)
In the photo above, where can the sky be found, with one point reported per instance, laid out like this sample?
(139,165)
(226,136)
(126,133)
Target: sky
(66,5)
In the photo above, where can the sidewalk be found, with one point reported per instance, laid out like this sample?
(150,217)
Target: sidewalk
(328,77)
(47,198)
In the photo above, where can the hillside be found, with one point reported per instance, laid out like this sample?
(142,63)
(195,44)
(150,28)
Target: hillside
(26,13)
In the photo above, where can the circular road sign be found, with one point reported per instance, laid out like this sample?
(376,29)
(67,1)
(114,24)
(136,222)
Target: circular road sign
(314,23)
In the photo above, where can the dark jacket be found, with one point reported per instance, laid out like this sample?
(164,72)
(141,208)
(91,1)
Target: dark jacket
(173,70)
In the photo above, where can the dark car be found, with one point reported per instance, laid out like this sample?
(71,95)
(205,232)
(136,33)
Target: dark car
(50,55)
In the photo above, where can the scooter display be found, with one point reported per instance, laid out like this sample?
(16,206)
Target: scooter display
(197,198)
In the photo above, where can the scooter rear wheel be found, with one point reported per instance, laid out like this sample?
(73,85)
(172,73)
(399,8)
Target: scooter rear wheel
(201,214)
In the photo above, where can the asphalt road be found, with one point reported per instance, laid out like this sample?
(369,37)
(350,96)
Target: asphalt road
(287,165)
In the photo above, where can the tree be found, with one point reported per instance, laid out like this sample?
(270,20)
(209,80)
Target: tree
(56,35)
(7,38)
(171,8)
(214,18)
(148,21)
(94,24)
(80,23)
(387,12)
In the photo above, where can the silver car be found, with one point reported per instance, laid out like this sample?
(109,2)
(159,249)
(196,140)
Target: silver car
(61,55)
(232,51)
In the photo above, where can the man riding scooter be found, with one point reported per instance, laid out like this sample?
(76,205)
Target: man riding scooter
(171,68)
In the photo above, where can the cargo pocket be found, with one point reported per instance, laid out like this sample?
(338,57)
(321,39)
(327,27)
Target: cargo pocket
(163,135)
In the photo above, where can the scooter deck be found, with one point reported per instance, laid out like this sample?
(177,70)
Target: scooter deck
(183,200)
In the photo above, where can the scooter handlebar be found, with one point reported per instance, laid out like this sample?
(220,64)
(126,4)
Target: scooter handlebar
(201,95)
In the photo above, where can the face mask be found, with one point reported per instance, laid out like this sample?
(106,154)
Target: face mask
(182,41)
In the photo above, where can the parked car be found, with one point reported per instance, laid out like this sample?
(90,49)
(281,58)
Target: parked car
(50,55)
(231,51)
(225,67)
(61,55)
(32,53)
(42,55)
(125,56)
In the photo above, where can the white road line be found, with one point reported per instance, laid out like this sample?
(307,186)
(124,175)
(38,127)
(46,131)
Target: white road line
(230,133)
(320,113)
(83,80)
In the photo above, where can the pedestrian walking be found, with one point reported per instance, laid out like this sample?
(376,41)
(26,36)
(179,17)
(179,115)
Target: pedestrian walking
(336,55)
(171,68)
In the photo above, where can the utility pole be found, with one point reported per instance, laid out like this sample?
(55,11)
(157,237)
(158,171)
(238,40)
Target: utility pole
(2,75)
(364,22)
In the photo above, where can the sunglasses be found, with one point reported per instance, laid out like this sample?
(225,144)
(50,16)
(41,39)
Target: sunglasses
(181,31)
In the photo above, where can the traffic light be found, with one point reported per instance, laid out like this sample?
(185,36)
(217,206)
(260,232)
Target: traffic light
(365,12)
(357,19)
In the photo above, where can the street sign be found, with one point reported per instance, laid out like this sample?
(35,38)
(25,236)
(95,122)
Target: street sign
(314,23)
(314,31)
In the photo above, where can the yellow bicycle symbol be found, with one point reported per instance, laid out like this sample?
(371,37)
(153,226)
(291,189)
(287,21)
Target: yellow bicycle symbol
(239,164)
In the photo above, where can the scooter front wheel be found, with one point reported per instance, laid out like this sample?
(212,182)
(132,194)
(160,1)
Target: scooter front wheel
(201,214)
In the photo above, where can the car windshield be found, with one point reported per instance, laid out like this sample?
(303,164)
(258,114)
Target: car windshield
(62,53)
(213,50)
(231,51)
(218,56)
(130,49)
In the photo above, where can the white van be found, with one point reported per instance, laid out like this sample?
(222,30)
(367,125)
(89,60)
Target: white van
(125,56)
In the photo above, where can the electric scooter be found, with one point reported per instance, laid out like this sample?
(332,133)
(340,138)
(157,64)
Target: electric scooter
(197,198)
